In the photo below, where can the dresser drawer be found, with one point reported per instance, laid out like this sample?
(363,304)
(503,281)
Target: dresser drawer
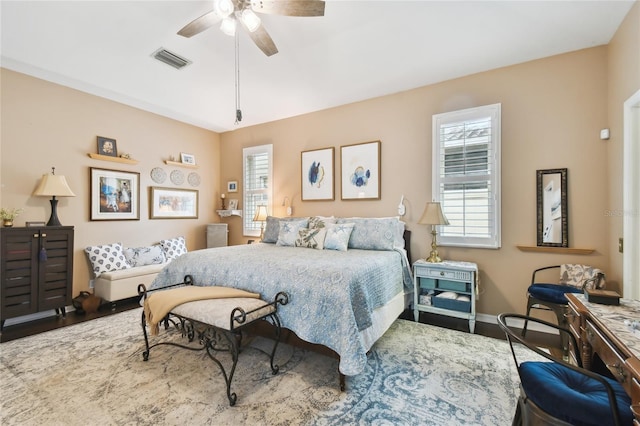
(609,355)
(426,271)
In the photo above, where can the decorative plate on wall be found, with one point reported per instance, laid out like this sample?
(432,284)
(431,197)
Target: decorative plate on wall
(193,179)
(177,177)
(158,175)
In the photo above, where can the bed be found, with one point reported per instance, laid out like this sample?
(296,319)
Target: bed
(343,300)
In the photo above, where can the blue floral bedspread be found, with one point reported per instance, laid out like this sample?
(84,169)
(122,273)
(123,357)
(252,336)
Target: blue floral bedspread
(331,294)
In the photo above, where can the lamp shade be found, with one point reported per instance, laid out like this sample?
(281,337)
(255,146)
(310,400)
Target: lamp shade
(53,185)
(261,214)
(433,215)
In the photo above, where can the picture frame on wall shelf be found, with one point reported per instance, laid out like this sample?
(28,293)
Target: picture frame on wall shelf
(173,203)
(232,186)
(188,159)
(107,146)
(360,171)
(317,178)
(233,204)
(114,195)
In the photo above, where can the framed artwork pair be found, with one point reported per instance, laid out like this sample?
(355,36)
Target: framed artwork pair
(115,195)
(359,177)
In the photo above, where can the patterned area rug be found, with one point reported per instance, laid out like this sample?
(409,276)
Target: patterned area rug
(93,373)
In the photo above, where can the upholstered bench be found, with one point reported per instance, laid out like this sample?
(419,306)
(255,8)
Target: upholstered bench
(215,324)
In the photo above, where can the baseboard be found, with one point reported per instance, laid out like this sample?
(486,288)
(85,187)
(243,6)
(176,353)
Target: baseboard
(34,317)
(493,319)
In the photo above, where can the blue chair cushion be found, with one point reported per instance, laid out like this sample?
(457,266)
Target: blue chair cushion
(553,293)
(571,396)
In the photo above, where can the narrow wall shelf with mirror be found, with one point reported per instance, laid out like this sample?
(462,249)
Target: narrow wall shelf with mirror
(561,250)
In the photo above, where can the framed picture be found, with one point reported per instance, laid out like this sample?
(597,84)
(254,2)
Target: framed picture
(233,204)
(232,186)
(317,175)
(361,171)
(173,203)
(188,158)
(107,146)
(115,195)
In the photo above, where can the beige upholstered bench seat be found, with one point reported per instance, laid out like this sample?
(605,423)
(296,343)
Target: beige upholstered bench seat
(217,312)
(123,283)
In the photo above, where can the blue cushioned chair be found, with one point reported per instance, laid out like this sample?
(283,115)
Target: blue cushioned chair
(551,297)
(554,392)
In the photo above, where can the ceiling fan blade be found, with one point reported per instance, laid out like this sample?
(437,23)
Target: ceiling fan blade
(200,24)
(289,7)
(262,39)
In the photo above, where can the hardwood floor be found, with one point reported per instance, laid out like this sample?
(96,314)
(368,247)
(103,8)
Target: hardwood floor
(17,331)
(24,329)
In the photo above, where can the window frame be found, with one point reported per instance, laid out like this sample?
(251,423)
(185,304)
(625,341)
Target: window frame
(250,228)
(493,176)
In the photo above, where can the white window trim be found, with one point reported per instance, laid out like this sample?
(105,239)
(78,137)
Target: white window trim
(251,232)
(495,112)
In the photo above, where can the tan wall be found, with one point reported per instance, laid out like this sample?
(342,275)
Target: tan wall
(552,113)
(45,125)
(623,81)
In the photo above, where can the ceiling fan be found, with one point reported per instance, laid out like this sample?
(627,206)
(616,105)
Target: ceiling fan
(232,12)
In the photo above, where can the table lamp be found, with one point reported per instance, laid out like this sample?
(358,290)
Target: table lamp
(261,216)
(433,216)
(53,185)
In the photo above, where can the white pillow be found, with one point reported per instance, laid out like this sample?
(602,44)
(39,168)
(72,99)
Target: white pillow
(448,295)
(140,256)
(311,238)
(289,232)
(174,247)
(106,258)
(337,237)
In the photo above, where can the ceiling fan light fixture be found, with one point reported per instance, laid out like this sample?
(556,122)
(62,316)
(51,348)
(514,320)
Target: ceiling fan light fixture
(223,8)
(228,26)
(250,19)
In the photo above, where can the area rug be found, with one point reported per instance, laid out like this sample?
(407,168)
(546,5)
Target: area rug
(93,373)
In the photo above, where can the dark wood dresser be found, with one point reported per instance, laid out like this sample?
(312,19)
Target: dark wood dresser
(36,270)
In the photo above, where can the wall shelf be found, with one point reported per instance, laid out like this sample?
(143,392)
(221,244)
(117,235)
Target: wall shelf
(560,250)
(114,159)
(227,213)
(178,163)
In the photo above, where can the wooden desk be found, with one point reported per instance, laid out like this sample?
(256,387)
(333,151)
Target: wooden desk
(600,330)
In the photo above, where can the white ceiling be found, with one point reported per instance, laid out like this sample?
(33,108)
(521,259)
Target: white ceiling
(358,50)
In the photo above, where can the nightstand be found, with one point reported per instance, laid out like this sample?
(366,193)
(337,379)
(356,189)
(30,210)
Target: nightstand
(446,288)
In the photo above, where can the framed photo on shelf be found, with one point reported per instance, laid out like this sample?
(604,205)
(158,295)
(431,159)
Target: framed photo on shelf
(107,146)
(233,204)
(188,158)
(173,203)
(232,186)
(115,195)
(361,171)
(317,175)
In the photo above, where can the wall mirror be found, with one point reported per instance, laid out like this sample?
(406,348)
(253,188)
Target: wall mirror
(553,221)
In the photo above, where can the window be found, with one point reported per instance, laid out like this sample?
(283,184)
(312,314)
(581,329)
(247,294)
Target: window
(258,180)
(466,175)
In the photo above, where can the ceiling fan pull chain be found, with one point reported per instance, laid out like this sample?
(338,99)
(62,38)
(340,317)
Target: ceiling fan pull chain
(237,65)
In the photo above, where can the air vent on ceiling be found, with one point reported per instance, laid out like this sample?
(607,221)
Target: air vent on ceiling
(170,58)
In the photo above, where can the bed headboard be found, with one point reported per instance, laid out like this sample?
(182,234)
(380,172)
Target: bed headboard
(407,243)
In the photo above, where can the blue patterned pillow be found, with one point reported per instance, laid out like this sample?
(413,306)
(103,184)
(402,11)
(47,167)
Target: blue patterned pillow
(272,227)
(106,258)
(140,256)
(174,247)
(289,231)
(337,237)
(374,233)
